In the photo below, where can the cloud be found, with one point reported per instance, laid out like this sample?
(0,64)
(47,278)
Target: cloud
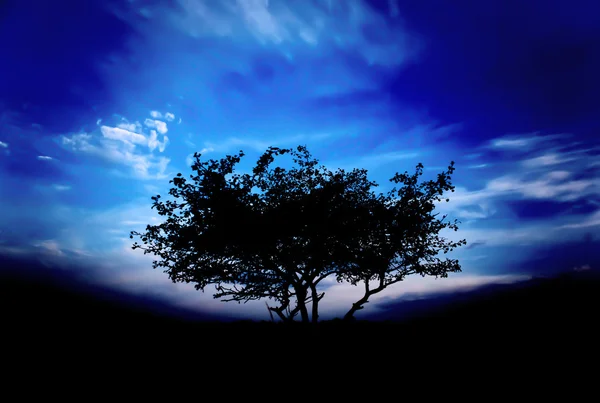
(189,160)
(126,136)
(79,142)
(153,142)
(585,267)
(121,146)
(261,144)
(132,127)
(292,28)
(159,125)
(168,116)
(523,142)
(50,246)
(545,160)
(44,158)
(552,185)
(542,180)
(340,296)
(475,244)
(591,220)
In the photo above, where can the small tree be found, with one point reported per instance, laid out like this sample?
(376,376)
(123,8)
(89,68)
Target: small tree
(278,233)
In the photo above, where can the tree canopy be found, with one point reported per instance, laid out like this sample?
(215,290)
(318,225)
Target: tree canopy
(277,233)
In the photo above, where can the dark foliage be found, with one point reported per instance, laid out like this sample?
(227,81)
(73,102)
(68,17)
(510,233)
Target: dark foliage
(278,233)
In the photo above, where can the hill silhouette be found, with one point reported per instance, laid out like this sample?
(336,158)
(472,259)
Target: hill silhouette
(58,317)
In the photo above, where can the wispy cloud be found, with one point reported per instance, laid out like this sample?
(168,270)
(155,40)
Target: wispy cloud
(295,28)
(478,166)
(592,220)
(524,142)
(189,160)
(260,144)
(339,297)
(3,144)
(44,158)
(120,145)
(50,246)
(542,180)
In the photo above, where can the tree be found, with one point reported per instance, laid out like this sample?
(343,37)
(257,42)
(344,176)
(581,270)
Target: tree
(277,233)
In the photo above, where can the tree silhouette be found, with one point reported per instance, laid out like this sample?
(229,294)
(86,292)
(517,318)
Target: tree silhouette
(278,233)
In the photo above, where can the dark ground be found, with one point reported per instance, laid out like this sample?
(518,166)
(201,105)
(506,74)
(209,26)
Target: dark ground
(47,323)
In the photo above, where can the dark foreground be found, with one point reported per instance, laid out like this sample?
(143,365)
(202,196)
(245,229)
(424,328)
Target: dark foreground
(545,322)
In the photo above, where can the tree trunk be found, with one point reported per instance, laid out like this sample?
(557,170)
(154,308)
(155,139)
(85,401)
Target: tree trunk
(315,303)
(358,305)
(303,312)
(349,316)
(301,301)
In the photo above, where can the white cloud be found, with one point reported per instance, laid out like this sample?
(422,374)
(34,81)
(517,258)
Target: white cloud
(511,143)
(592,220)
(340,296)
(132,127)
(206,150)
(189,160)
(292,27)
(120,146)
(44,158)
(151,189)
(51,246)
(542,179)
(153,142)
(156,114)
(545,160)
(169,117)
(159,125)
(126,136)
(552,185)
(3,144)
(79,142)
(523,142)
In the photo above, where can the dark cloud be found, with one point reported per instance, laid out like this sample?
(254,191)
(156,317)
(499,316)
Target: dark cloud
(36,290)
(563,257)
(472,245)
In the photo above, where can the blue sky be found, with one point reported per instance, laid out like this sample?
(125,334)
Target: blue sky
(102,102)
